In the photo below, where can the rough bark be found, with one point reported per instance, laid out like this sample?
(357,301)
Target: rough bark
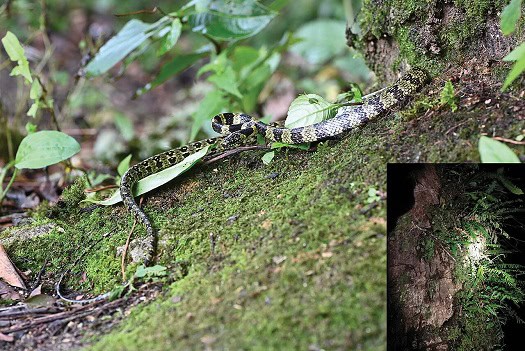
(420,289)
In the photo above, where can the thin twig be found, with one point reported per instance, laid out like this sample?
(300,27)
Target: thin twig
(54,317)
(105,187)
(510,141)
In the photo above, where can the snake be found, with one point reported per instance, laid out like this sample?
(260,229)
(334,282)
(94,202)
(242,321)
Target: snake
(236,128)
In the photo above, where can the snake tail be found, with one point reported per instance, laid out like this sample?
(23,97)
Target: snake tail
(145,168)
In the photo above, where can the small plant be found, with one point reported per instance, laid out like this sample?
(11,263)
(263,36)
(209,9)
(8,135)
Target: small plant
(448,96)
(38,149)
(509,19)
(373,196)
(491,288)
(142,274)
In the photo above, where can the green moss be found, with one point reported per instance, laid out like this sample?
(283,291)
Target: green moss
(456,38)
(73,194)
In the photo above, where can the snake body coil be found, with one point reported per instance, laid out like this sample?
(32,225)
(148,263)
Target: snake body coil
(235,127)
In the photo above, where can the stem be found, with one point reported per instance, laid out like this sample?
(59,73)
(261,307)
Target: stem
(9,138)
(4,192)
(215,43)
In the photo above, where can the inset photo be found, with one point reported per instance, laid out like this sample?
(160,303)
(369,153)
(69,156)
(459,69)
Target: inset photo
(456,256)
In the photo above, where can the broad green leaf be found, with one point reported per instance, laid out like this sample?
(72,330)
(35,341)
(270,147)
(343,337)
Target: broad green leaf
(493,151)
(254,84)
(169,41)
(243,59)
(178,64)
(268,157)
(15,51)
(322,40)
(308,109)
(516,54)
(231,19)
(227,81)
(514,73)
(45,148)
(130,37)
(123,166)
(155,180)
(510,16)
(212,104)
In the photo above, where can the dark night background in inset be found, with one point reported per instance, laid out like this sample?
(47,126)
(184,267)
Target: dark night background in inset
(400,187)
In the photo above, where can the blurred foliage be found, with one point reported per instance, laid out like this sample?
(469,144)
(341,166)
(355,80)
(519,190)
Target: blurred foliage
(122,107)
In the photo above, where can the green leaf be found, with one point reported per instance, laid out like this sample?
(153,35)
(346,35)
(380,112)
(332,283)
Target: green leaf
(227,81)
(244,58)
(268,157)
(517,69)
(125,126)
(218,64)
(231,19)
(255,82)
(130,37)
(123,166)
(15,51)
(516,54)
(155,180)
(155,271)
(36,90)
(510,186)
(212,104)
(45,148)
(493,151)
(278,145)
(308,109)
(31,128)
(33,109)
(277,5)
(355,95)
(170,39)
(322,40)
(178,64)
(510,16)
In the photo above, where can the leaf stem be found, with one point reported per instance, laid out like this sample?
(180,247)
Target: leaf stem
(4,192)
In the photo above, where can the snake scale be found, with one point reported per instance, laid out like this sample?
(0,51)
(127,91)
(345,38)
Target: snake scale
(237,127)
